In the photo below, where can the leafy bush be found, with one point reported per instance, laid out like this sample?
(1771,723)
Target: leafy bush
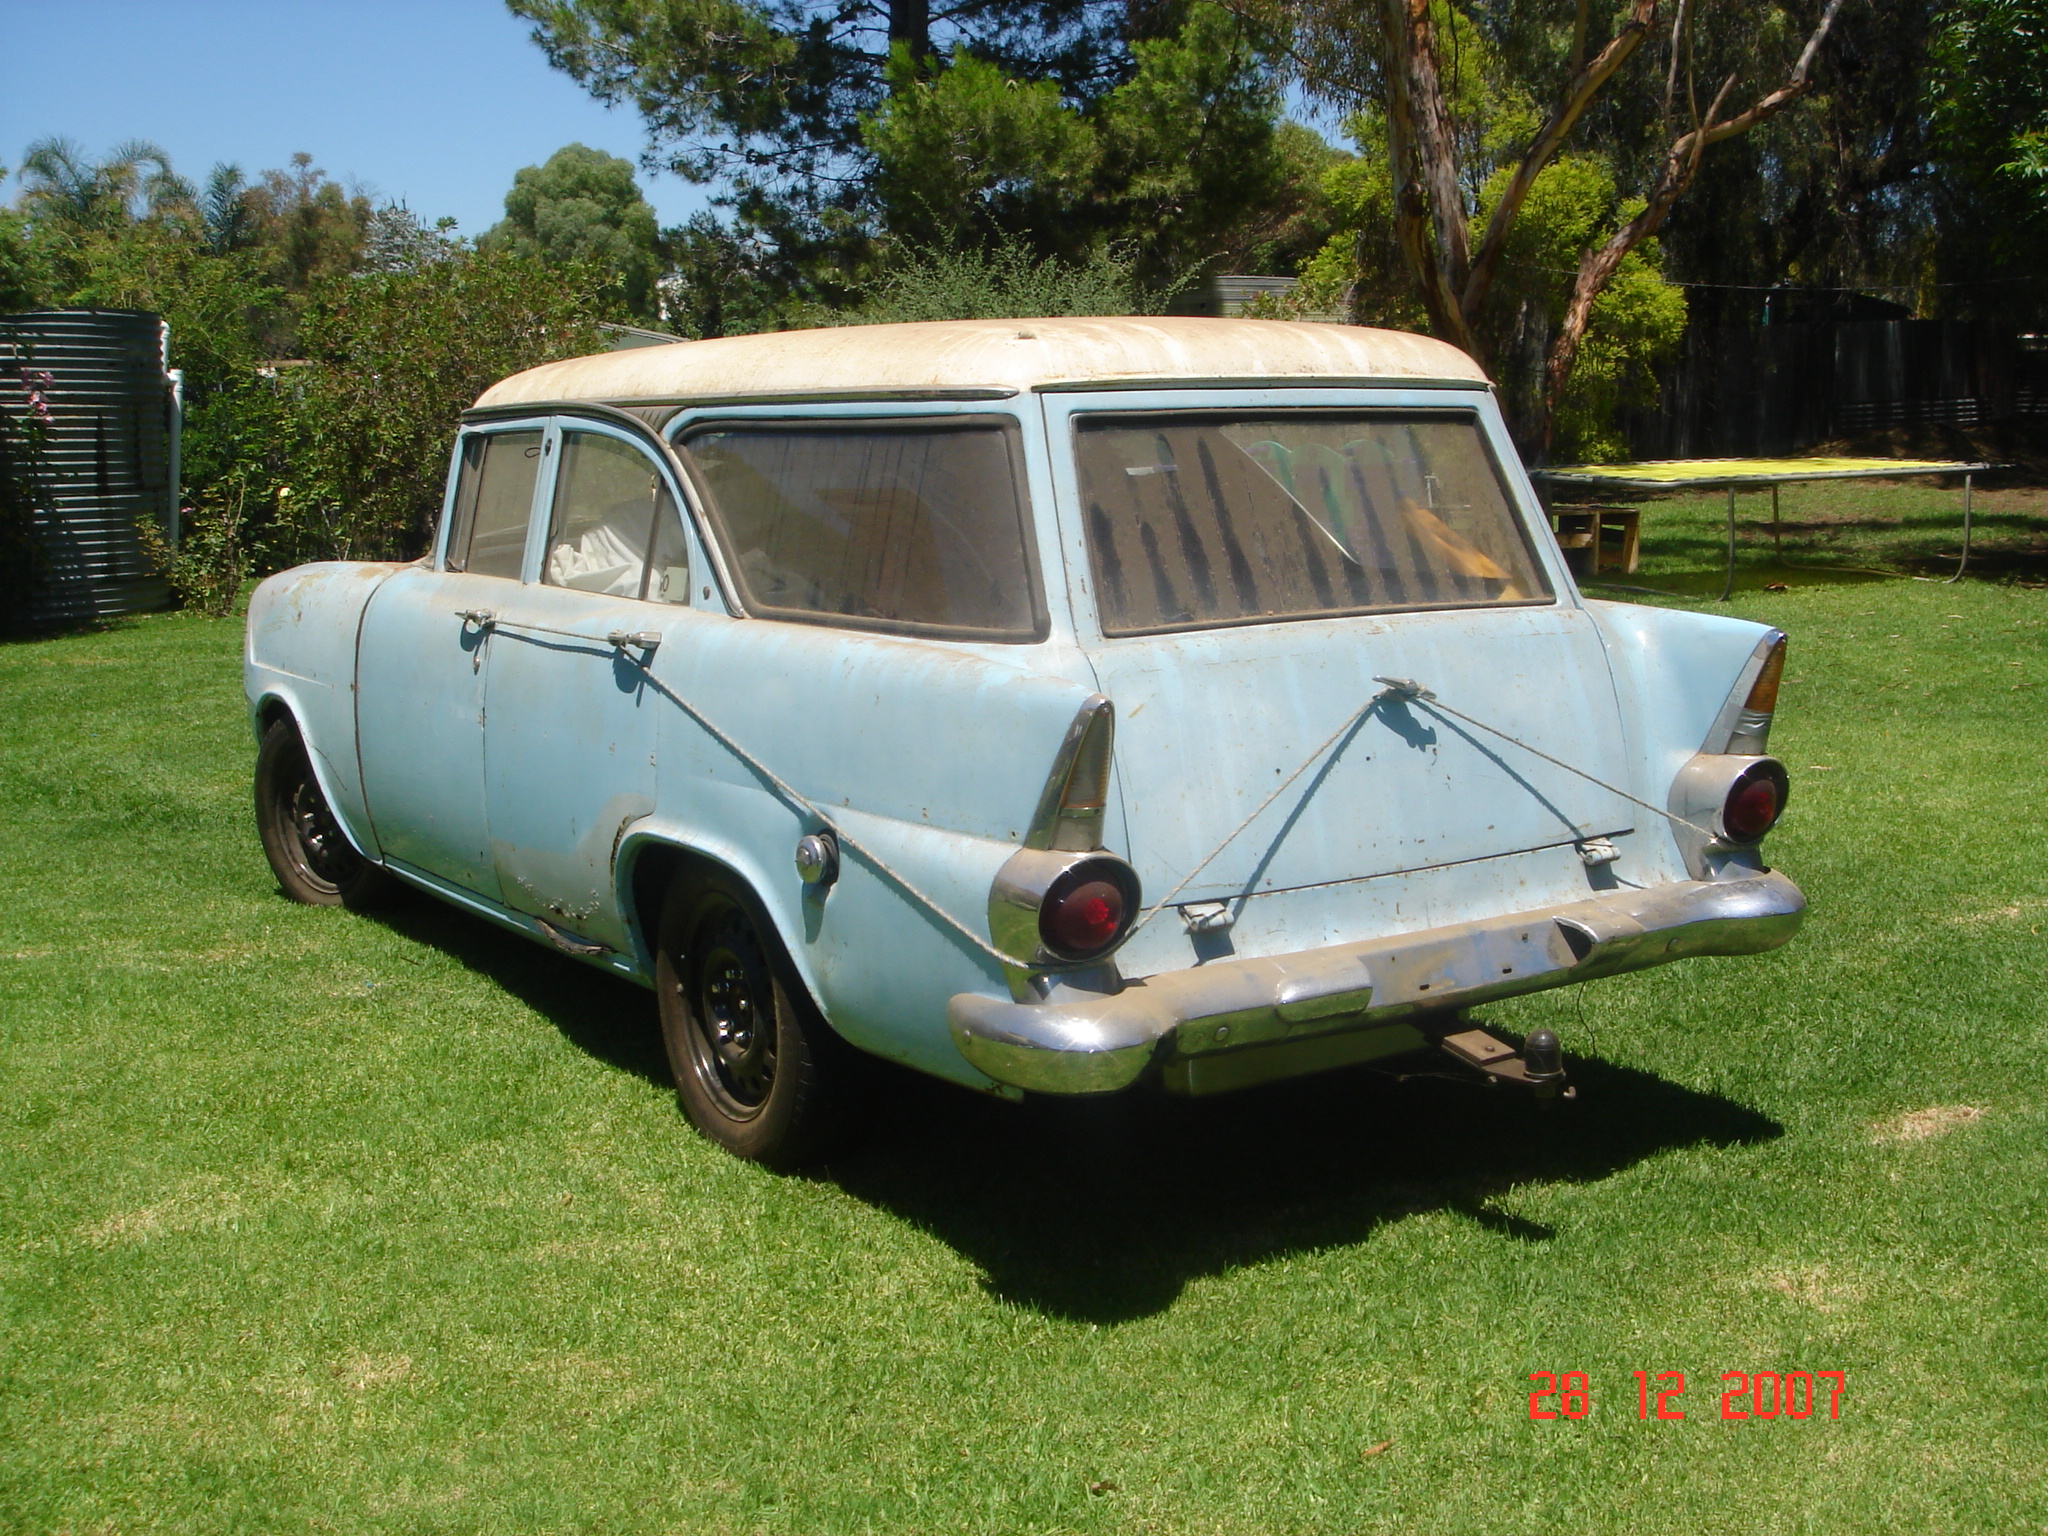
(1005,283)
(393,359)
(208,564)
(22,494)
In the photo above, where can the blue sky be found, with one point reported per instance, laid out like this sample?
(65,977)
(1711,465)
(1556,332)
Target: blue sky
(434,103)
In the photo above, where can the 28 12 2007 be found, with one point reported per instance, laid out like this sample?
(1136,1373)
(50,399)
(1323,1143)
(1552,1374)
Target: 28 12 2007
(1753,1395)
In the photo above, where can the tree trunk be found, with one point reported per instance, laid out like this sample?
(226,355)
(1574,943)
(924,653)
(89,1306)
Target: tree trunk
(1429,204)
(910,21)
(1680,165)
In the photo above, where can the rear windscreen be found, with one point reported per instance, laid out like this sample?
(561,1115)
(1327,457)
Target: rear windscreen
(1201,520)
(912,526)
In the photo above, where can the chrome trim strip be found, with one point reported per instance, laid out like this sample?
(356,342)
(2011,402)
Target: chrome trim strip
(1099,1042)
(630,403)
(1698,798)
(1378,381)
(1734,720)
(1014,900)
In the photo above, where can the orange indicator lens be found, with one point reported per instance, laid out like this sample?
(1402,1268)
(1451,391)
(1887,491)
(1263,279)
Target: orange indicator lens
(1763,693)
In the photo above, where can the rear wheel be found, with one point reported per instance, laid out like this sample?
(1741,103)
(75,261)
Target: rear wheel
(309,853)
(756,1067)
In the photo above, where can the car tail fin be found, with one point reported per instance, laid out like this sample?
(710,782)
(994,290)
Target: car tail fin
(1070,811)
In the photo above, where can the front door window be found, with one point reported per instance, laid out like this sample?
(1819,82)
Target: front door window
(615,528)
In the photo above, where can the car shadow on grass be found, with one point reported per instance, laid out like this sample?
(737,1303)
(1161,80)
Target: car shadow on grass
(602,1015)
(1103,1211)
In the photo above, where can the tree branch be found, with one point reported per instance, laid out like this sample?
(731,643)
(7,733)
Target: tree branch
(1678,38)
(1429,205)
(1578,96)
(1681,164)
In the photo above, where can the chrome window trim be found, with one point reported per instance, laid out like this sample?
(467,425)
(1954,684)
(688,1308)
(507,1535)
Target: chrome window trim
(1305,381)
(656,449)
(522,421)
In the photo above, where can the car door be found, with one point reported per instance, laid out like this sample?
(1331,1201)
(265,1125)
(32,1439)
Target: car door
(570,729)
(423,663)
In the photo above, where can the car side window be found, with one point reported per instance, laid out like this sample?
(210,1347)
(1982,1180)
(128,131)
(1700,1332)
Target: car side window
(493,500)
(918,526)
(615,528)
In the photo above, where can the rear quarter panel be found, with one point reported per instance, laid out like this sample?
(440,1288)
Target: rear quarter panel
(932,757)
(1673,670)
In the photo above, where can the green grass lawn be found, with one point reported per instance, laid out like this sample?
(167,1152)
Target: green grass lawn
(312,1221)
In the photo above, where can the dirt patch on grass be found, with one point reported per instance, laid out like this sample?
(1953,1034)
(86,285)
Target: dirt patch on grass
(1924,1124)
(2011,912)
(360,1372)
(203,1203)
(1816,1286)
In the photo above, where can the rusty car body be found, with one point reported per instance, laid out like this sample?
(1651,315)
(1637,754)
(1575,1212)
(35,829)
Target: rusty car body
(1052,706)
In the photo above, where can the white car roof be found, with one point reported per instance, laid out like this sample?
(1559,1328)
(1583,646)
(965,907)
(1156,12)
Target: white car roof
(1006,356)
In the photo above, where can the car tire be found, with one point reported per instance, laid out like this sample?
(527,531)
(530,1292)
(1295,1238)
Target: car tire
(309,853)
(757,1068)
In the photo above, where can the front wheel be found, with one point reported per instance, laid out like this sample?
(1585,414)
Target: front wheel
(756,1067)
(309,853)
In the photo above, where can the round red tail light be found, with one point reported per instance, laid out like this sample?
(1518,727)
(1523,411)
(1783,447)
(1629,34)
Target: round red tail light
(1755,802)
(1087,910)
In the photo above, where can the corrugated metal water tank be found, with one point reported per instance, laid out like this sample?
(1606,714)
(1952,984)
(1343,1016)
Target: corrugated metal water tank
(110,457)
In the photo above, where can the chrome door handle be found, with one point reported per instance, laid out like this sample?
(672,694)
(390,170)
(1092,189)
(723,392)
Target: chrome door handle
(482,618)
(645,640)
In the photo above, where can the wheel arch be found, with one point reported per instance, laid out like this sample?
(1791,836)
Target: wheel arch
(275,705)
(649,865)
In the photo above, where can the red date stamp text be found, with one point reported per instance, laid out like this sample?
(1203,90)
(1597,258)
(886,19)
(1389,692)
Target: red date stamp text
(1747,1394)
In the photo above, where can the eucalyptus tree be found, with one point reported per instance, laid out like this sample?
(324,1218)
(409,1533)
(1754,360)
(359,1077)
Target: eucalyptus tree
(1989,96)
(1706,74)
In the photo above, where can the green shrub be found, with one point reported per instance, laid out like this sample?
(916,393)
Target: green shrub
(1007,282)
(393,359)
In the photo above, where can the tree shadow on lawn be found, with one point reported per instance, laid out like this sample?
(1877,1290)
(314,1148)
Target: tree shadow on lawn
(1102,1210)
(1692,559)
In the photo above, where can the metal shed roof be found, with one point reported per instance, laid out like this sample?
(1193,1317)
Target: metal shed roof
(957,356)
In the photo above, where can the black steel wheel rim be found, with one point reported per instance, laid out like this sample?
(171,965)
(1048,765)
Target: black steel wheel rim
(323,850)
(733,1023)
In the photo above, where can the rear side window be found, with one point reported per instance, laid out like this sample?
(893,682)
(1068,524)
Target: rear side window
(1195,521)
(493,499)
(918,527)
(615,528)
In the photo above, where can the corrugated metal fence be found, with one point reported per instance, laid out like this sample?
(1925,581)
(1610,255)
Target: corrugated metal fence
(1779,389)
(110,455)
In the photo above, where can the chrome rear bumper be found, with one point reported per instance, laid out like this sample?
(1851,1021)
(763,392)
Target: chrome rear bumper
(1232,1023)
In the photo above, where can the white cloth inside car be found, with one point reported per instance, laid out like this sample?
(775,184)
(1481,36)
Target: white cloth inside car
(608,557)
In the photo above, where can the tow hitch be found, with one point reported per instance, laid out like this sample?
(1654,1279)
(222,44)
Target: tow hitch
(1539,1067)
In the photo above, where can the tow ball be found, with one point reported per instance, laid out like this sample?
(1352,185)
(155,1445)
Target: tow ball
(1539,1067)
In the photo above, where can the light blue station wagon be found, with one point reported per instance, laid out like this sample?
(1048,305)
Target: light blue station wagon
(1053,706)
